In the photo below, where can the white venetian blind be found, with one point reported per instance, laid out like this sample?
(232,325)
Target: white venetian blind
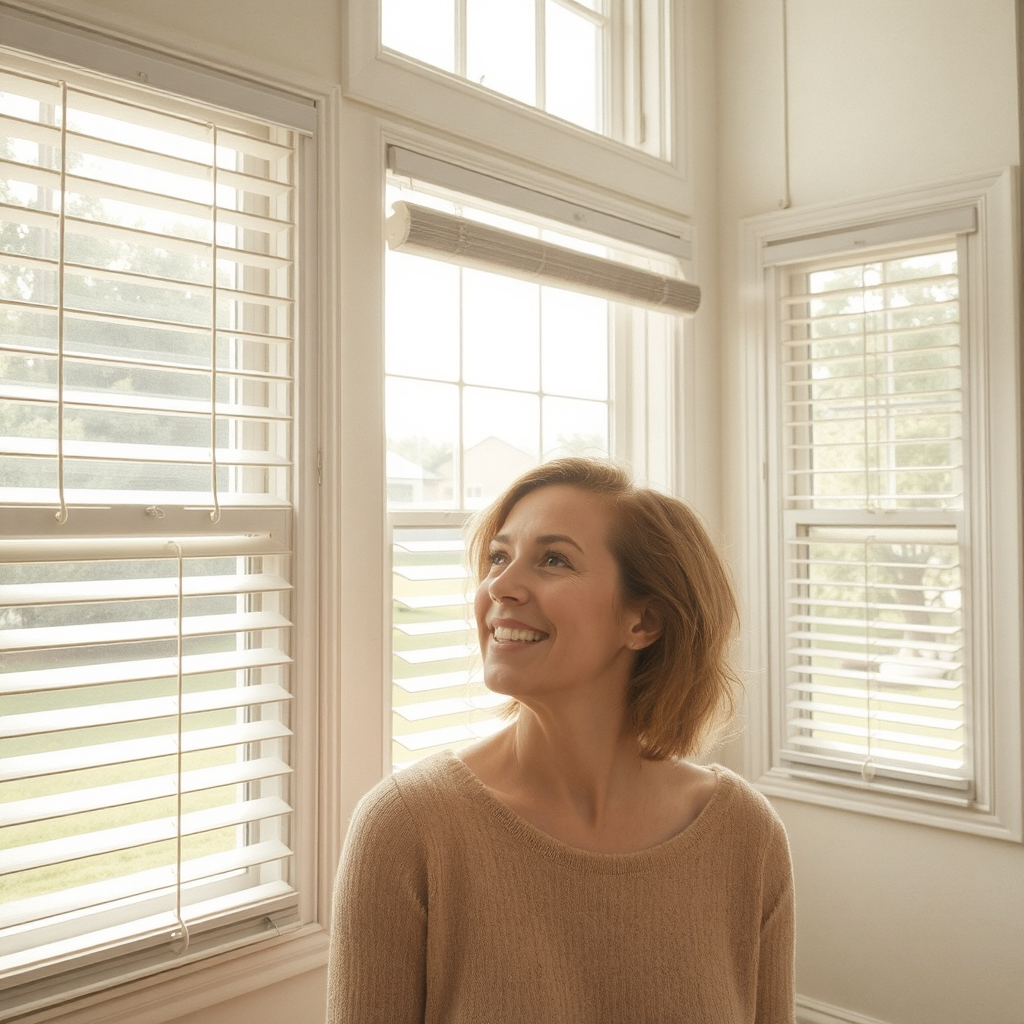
(874,576)
(147,284)
(439,699)
(146,281)
(145,693)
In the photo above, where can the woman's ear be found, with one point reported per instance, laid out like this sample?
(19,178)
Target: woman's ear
(646,627)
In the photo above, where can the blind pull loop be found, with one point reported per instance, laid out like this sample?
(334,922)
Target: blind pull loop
(867,769)
(61,515)
(215,511)
(179,937)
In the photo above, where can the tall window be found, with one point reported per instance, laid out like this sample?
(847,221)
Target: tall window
(872,418)
(147,487)
(487,376)
(884,585)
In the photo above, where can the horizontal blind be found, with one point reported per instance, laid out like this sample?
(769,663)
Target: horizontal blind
(145,734)
(872,414)
(875,652)
(438,697)
(147,324)
(873,399)
(147,300)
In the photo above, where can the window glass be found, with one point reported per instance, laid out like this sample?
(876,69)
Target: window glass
(551,55)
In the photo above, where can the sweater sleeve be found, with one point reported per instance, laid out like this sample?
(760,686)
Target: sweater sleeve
(775,974)
(376,970)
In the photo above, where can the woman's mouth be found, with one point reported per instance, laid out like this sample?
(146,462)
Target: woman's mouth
(505,634)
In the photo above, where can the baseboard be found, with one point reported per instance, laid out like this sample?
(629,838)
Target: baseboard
(813,1011)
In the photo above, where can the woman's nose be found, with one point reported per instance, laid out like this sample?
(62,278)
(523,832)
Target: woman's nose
(508,585)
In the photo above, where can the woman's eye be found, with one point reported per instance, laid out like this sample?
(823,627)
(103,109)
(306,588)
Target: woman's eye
(497,558)
(554,560)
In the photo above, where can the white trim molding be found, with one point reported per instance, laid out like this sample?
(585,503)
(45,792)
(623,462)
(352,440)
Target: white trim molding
(813,1011)
(994,513)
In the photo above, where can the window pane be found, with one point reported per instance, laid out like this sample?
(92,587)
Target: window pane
(500,47)
(572,67)
(424,29)
(501,437)
(501,325)
(422,436)
(575,428)
(574,349)
(421,317)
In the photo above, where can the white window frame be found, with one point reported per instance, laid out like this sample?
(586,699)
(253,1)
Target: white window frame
(395,84)
(643,369)
(233,971)
(990,331)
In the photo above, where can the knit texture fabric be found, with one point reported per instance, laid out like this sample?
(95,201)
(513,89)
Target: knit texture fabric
(451,909)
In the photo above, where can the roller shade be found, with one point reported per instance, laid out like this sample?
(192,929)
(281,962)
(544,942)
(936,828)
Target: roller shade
(425,232)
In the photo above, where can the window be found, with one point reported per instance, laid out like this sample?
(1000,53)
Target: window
(151,598)
(883,509)
(487,375)
(592,90)
(553,56)
(578,61)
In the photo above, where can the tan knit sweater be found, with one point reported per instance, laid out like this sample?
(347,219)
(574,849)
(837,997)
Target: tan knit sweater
(451,909)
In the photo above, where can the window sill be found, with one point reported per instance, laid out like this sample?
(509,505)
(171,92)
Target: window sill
(863,798)
(196,986)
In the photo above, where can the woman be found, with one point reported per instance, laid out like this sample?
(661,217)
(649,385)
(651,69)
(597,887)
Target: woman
(573,867)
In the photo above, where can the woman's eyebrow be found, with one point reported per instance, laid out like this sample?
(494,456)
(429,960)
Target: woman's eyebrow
(548,538)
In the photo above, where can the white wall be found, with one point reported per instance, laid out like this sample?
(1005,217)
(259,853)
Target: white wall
(903,923)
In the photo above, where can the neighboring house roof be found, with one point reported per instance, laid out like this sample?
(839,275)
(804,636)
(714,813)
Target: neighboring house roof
(398,467)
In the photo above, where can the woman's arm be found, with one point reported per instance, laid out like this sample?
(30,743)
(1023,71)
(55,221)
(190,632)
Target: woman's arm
(376,971)
(775,976)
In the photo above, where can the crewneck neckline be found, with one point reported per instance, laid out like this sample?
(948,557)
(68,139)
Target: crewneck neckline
(470,787)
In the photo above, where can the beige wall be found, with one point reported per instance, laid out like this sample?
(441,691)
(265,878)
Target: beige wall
(903,923)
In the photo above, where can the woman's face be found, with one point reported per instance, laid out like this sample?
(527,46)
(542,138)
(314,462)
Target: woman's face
(550,613)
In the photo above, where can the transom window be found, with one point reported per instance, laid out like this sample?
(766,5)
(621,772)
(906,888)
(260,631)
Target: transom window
(598,64)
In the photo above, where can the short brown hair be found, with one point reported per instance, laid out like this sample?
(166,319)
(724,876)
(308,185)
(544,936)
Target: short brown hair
(683,687)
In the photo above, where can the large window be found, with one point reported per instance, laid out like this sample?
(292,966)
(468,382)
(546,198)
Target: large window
(488,375)
(149,590)
(888,377)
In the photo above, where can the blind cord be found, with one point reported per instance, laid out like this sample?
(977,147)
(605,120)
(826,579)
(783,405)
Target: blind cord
(180,938)
(215,511)
(61,515)
(867,769)
(787,200)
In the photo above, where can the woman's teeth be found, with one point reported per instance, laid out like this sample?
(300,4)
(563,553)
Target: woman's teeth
(522,635)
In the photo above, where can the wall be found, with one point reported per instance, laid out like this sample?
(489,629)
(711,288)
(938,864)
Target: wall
(900,923)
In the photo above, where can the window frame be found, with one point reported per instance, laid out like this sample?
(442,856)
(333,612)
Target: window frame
(193,984)
(992,516)
(395,84)
(644,367)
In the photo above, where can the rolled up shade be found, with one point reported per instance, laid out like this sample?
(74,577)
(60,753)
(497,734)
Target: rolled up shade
(444,236)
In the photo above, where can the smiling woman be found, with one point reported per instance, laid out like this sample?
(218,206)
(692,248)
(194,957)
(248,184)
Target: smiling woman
(574,867)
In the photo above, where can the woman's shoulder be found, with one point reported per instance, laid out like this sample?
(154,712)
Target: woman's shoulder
(411,795)
(746,807)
